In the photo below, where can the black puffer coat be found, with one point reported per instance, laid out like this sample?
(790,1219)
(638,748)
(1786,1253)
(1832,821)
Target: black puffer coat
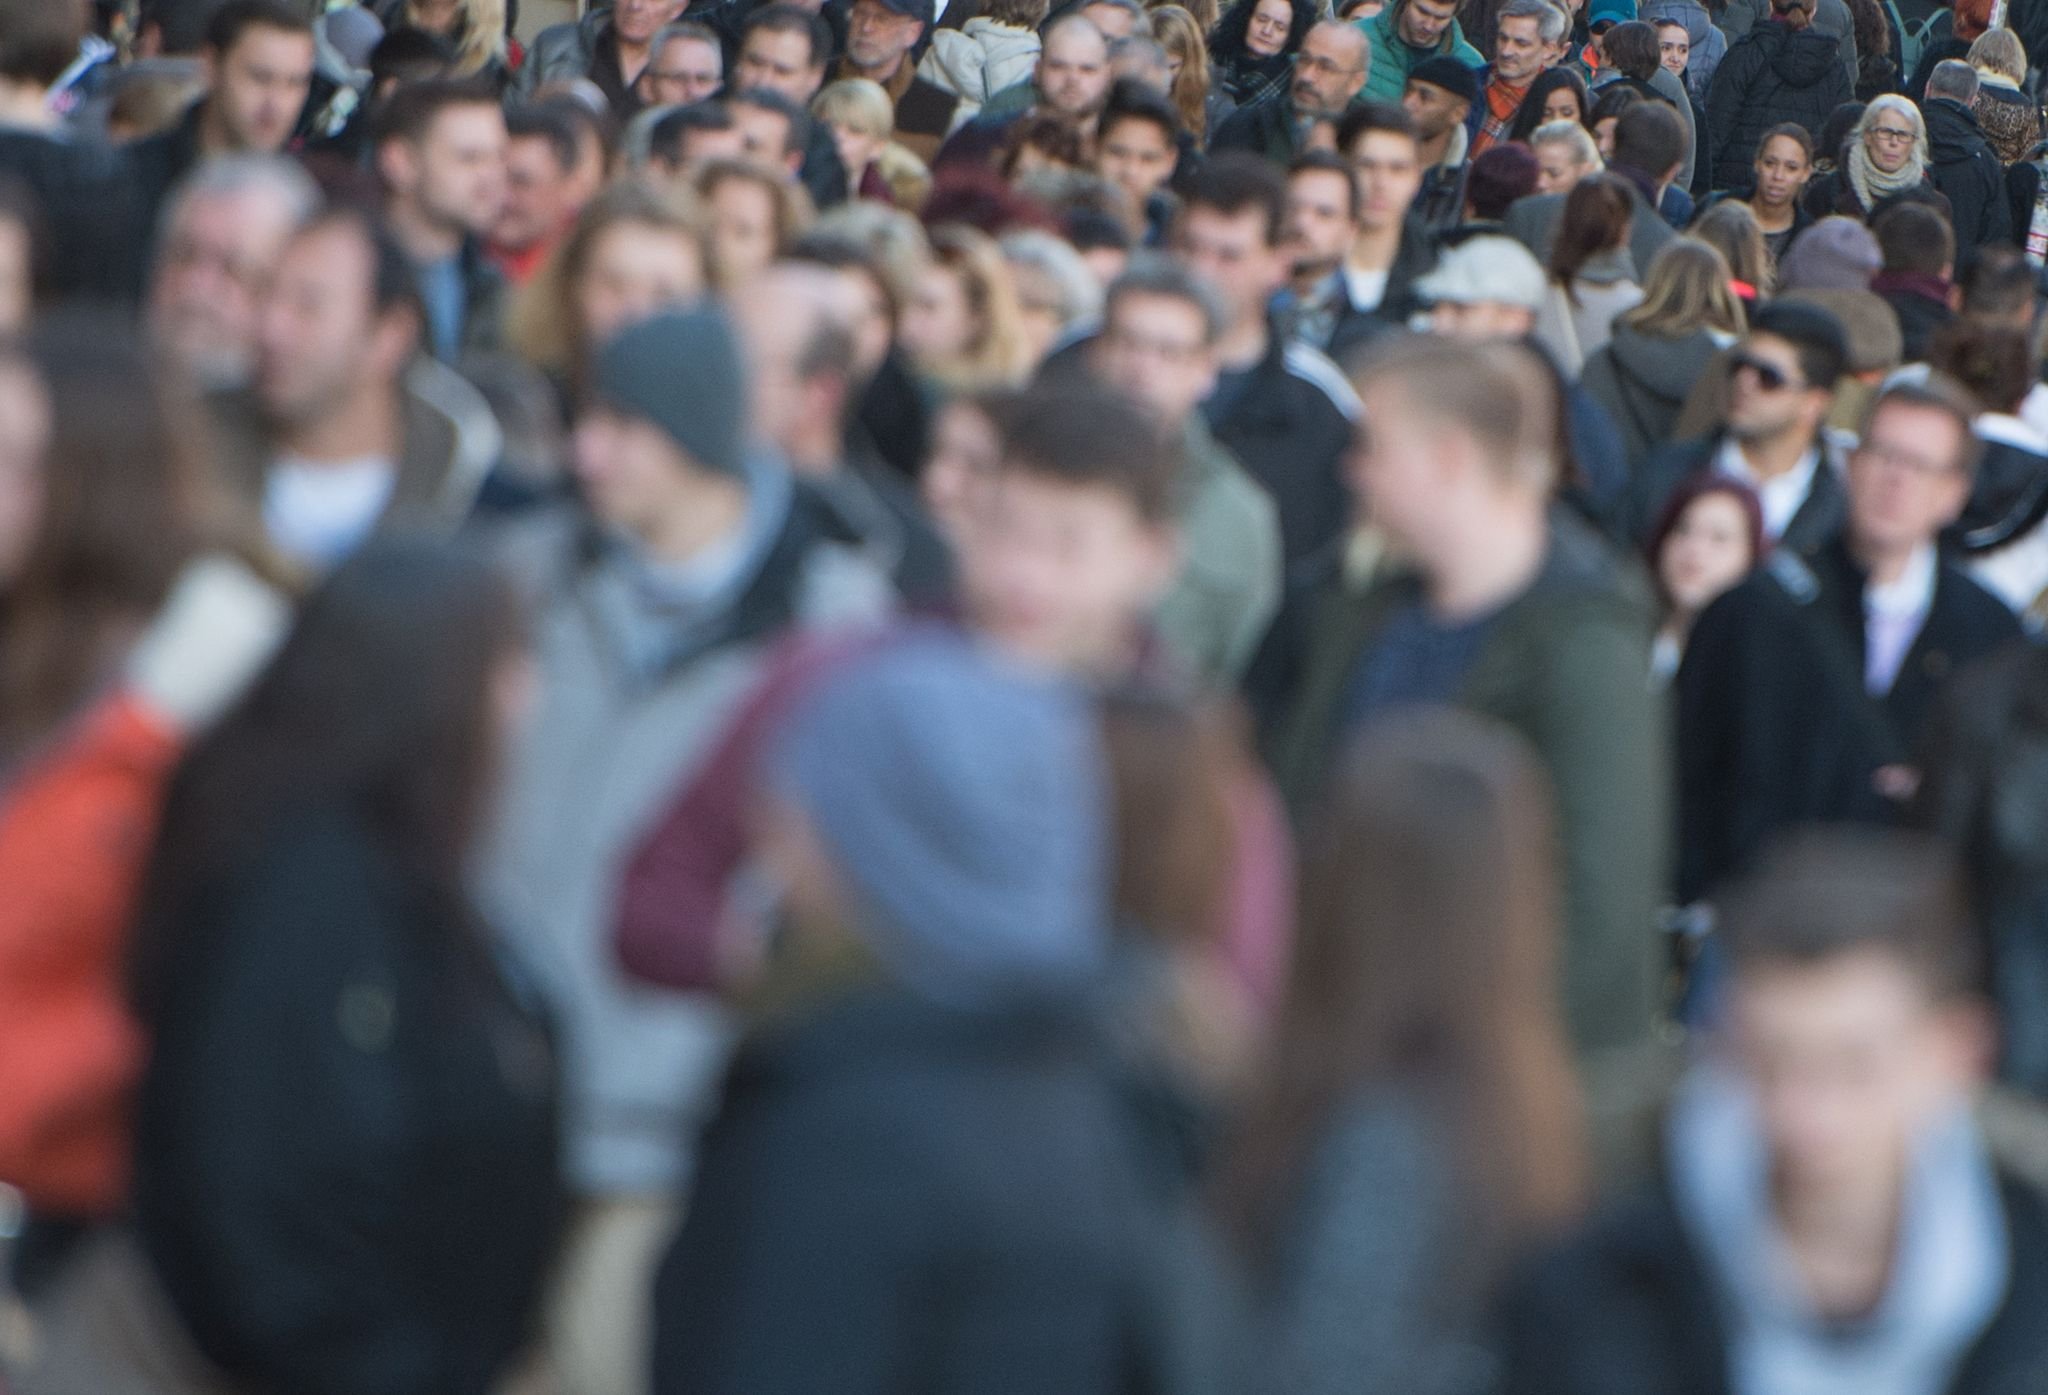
(1964,167)
(1771,74)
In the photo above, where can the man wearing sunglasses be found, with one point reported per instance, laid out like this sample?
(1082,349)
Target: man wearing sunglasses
(1806,689)
(1781,386)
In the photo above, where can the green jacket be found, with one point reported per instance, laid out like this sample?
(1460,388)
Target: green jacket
(1392,57)
(1228,589)
(1566,665)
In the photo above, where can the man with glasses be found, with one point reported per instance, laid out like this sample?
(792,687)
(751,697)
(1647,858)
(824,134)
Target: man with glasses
(880,38)
(1805,691)
(1780,390)
(688,66)
(1329,74)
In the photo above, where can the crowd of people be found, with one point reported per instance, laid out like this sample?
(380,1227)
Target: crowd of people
(1023,695)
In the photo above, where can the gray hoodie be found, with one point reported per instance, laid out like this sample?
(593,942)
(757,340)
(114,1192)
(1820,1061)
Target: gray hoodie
(1643,381)
(1708,43)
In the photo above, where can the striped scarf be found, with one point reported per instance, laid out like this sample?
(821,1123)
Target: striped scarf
(1502,102)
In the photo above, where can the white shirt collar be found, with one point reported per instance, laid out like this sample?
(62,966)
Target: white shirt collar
(1912,593)
(1780,497)
(2002,429)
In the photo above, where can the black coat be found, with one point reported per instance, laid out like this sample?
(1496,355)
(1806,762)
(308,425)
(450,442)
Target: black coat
(1770,75)
(1626,1308)
(898,1199)
(346,1145)
(1815,523)
(1412,261)
(1290,427)
(1921,307)
(1264,128)
(1967,171)
(1775,727)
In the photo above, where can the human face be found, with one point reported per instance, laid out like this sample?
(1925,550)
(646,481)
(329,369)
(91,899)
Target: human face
(1557,168)
(699,148)
(1398,468)
(965,451)
(460,168)
(1230,252)
(1603,136)
(780,61)
(1674,48)
(1757,411)
(1433,110)
(1061,575)
(1330,69)
(764,136)
(538,195)
(1073,70)
(636,22)
(24,442)
(1906,482)
(877,38)
(633,476)
(743,230)
(1519,52)
(257,88)
(1890,138)
(857,148)
(634,270)
(1389,177)
(1562,104)
(317,328)
(212,274)
(1272,21)
(939,325)
(1706,552)
(1114,21)
(1155,350)
(1423,22)
(680,72)
(1782,170)
(1849,1061)
(1320,228)
(1136,156)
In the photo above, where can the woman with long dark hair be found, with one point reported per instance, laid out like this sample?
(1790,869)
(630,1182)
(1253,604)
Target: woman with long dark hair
(346,1152)
(1557,94)
(1592,278)
(1252,47)
(1419,1122)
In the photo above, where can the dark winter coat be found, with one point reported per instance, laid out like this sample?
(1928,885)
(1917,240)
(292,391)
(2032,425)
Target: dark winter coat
(1772,74)
(1815,523)
(1835,193)
(900,1199)
(346,1146)
(1921,304)
(1627,1308)
(1967,171)
(1775,726)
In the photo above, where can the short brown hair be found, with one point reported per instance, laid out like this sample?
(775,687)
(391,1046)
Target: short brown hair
(1826,893)
(1080,434)
(1501,393)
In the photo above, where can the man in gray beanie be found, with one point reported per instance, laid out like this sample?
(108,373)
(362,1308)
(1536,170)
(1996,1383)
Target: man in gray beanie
(656,603)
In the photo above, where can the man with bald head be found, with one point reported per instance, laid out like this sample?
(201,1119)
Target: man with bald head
(796,323)
(1072,80)
(1329,74)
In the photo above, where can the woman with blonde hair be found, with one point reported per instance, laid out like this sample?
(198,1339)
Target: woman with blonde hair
(1565,154)
(1201,105)
(2011,122)
(1731,228)
(637,248)
(962,327)
(475,29)
(1662,347)
(754,216)
(862,120)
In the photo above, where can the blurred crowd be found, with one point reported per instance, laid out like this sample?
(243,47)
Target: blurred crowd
(1023,695)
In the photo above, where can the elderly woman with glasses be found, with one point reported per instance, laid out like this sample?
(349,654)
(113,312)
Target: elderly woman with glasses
(1885,158)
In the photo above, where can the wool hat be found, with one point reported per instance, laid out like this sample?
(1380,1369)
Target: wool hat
(1609,12)
(1834,254)
(681,371)
(1486,268)
(963,802)
(1442,70)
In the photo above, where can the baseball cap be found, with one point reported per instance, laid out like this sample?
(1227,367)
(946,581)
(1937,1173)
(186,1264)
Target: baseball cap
(1486,269)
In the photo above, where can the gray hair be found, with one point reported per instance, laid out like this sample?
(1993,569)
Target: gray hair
(1550,20)
(1569,132)
(228,176)
(1954,79)
(1031,252)
(1149,273)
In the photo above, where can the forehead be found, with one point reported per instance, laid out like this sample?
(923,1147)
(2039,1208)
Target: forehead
(1765,345)
(332,253)
(1206,223)
(687,46)
(1080,42)
(1320,186)
(1860,992)
(1382,147)
(1346,40)
(784,45)
(1156,312)
(1672,31)
(467,121)
(1916,422)
(264,44)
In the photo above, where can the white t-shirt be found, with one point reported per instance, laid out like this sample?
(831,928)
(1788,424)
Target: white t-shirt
(1365,288)
(319,511)
(1893,615)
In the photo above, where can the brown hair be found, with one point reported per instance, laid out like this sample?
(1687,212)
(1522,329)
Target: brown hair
(1994,363)
(1730,228)
(1597,215)
(1505,394)
(1439,834)
(1181,35)
(1171,770)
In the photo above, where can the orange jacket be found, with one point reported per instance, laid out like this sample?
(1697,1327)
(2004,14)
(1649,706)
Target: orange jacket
(75,834)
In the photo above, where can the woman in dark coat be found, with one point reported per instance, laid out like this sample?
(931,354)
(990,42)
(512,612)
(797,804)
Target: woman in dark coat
(1878,164)
(1250,58)
(346,1152)
(1780,71)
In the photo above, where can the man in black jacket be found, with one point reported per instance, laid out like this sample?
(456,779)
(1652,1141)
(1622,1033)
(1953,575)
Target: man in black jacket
(1961,162)
(1329,73)
(1805,691)
(1916,279)
(1829,1216)
(1785,70)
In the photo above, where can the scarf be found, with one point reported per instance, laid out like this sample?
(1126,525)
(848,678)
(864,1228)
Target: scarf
(1949,1272)
(1502,104)
(1873,186)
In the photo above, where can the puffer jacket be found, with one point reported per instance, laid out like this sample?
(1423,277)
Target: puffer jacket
(1643,380)
(981,59)
(1709,44)
(1964,167)
(1771,74)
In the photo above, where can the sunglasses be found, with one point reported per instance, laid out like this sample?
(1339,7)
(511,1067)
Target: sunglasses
(1769,376)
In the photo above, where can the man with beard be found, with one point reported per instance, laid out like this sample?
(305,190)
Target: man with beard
(1328,76)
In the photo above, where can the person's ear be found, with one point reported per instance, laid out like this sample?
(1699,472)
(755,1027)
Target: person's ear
(1967,1035)
(397,165)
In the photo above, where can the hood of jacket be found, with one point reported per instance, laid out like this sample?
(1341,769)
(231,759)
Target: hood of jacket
(1691,13)
(1000,40)
(1952,131)
(1802,59)
(1666,367)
